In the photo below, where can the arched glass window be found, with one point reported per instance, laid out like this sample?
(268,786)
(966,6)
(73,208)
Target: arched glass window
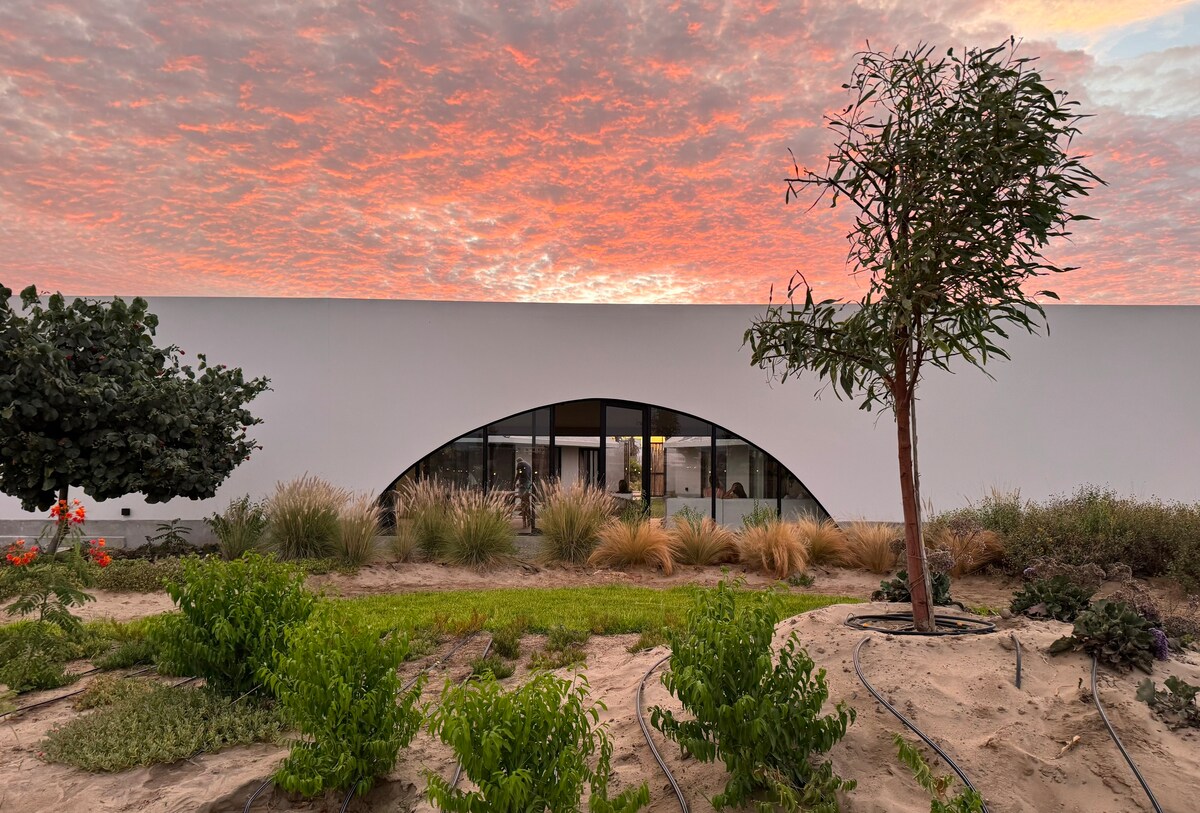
(664,459)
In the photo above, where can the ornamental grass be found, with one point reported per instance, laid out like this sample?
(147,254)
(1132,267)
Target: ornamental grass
(570,518)
(359,525)
(633,544)
(703,543)
(825,541)
(972,548)
(303,518)
(870,546)
(479,530)
(774,548)
(425,506)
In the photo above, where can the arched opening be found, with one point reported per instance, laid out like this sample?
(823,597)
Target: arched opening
(666,459)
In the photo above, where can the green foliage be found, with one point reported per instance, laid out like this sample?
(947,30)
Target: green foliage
(233,619)
(648,640)
(897,589)
(493,665)
(760,515)
(965,801)
(338,685)
(359,524)
(530,749)
(564,647)
(757,714)
(303,518)
(170,535)
(506,639)
(162,725)
(562,637)
(480,532)
(689,516)
(240,527)
(32,657)
(88,400)
(1113,633)
(423,514)
(1175,705)
(800,579)
(108,690)
(1058,598)
(570,518)
(139,575)
(132,652)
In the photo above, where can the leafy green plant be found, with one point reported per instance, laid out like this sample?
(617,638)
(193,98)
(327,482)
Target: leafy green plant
(240,527)
(139,575)
(493,665)
(965,801)
(529,749)
(897,589)
(1175,705)
(1113,633)
(162,725)
(303,518)
(107,690)
(337,684)
(170,536)
(1058,598)
(479,533)
(799,580)
(564,647)
(571,518)
(757,714)
(759,516)
(132,652)
(233,619)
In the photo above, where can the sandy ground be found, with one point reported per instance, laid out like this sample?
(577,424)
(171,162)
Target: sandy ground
(960,690)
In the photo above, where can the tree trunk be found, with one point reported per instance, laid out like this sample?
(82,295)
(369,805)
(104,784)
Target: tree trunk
(918,574)
(60,531)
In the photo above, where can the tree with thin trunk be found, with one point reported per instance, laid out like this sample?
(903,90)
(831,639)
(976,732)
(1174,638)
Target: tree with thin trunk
(88,400)
(959,173)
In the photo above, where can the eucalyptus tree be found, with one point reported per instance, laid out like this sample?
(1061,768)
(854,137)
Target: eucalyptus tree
(87,399)
(959,171)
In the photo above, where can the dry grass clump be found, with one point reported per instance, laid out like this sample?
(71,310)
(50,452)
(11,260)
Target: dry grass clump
(480,532)
(303,518)
(703,543)
(425,505)
(774,548)
(633,544)
(570,518)
(359,524)
(972,548)
(403,543)
(869,546)
(825,541)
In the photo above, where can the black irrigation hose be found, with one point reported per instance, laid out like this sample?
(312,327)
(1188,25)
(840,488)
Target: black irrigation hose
(1117,740)
(458,769)
(266,782)
(1013,635)
(909,723)
(66,696)
(683,805)
(945,624)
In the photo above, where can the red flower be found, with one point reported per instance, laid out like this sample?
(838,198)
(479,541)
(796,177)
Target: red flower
(17,556)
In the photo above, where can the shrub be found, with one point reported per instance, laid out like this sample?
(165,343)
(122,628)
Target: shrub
(338,686)
(33,656)
(108,690)
(640,544)
(571,518)
(233,619)
(359,522)
(240,527)
(869,546)
(965,801)
(423,509)
(773,548)
(897,590)
(480,531)
(1058,598)
(971,546)
(161,725)
(756,713)
(506,641)
(759,516)
(303,518)
(825,542)
(1175,705)
(703,542)
(1113,633)
(528,749)
(138,575)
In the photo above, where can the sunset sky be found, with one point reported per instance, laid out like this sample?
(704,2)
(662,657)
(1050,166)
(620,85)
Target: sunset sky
(553,151)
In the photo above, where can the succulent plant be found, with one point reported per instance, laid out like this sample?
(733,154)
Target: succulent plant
(1058,598)
(1113,633)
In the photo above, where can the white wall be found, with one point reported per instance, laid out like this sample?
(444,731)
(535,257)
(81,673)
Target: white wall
(362,389)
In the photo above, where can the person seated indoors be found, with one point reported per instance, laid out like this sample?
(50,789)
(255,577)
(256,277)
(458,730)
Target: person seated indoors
(736,491)
(623,487)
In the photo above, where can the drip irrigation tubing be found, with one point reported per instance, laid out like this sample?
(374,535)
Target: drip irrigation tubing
(1017,643)
(944,624)
(909,724)
(1112,732)
(641,718)
(458,769)
(407,685)
(53,700)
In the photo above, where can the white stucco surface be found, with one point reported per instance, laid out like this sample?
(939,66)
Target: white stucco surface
(362,389)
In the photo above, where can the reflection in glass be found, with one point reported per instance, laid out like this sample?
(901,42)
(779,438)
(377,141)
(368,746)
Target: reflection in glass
(577,438)
(746,478)
(459,463)
(797,501)
(623,453)
(684,460)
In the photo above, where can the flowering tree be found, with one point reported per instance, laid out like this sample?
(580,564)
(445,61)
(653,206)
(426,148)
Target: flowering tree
(88,400)
(958,173)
